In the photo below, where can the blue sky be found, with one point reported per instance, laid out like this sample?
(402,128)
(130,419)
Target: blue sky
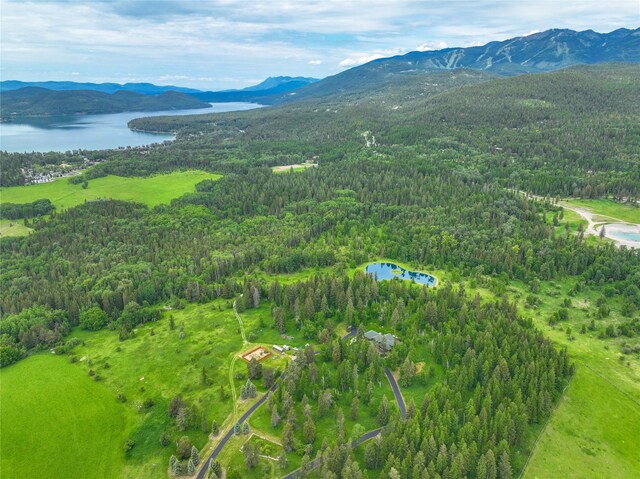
(232,44)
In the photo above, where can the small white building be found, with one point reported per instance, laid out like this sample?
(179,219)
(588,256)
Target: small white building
(278,348)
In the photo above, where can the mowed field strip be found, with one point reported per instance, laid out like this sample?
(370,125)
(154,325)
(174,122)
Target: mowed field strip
(152,190)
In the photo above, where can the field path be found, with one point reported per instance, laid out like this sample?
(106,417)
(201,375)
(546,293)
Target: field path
(595,220)
(233,387)
(235,311)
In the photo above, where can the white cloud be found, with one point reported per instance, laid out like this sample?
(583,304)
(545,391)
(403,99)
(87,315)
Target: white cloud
(427,46)
(352,62)
(315,62)
(532,32)
(362,58)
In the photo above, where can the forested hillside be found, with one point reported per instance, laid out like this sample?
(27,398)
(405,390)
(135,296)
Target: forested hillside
(573,132)
(35,101)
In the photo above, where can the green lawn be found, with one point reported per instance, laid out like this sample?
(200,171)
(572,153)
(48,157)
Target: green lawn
(58,423)
(609,208)
(594,433)
(13,228)
(151,191)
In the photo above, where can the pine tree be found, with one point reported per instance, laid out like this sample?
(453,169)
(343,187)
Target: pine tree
(176,468)
(287,436)
(309,430)
(504,468)
(245,428)
(191,468)
(215,470)
(371,455)
(275,417)
(383,412)
(283,462)
(214,428)
(355,404)
(195,456)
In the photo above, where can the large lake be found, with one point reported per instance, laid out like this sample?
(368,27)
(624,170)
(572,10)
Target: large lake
(91,132)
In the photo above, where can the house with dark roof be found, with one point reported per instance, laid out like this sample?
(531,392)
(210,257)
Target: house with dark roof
(384,341)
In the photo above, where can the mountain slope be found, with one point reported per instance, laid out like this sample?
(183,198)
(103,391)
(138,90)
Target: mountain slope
(285,83)
(33,101)
(540,52)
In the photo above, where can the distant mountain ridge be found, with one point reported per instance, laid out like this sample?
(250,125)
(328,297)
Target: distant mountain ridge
(279,83)
(143,88)
(540,52)
(264,92)
(35,101)
(282,82)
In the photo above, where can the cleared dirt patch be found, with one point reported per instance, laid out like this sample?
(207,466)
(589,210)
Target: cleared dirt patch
(258,354)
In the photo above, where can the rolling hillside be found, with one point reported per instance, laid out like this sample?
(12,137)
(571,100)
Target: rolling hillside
(34,101)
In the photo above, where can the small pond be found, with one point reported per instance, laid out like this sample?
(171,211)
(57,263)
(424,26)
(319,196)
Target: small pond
(389,270)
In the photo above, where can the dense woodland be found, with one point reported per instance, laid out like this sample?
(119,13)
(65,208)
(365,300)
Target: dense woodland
(500,375)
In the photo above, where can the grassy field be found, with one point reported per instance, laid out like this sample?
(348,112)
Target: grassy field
(595,433)
(596,428)
(151,191)
(609,208)
(13,228)
(155,364)
(59,423)
(158,365)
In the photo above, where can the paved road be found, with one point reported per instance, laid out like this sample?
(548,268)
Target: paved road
(352,332)
(396,393)
(229,433)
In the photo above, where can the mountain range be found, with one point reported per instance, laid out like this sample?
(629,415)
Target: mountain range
(540,52)
(536,53)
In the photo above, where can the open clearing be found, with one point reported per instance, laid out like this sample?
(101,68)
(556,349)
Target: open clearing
(13,228)
(57,423)
(296,167)
(152,191)
(596,426)
(609,208)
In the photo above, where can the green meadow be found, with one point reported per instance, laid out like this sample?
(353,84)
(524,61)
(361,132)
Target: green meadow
(13,228)
(72,400)
(152,190)
(609,208)
(594,432)
(59,423)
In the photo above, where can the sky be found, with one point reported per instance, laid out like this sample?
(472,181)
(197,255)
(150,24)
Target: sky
(226,44)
